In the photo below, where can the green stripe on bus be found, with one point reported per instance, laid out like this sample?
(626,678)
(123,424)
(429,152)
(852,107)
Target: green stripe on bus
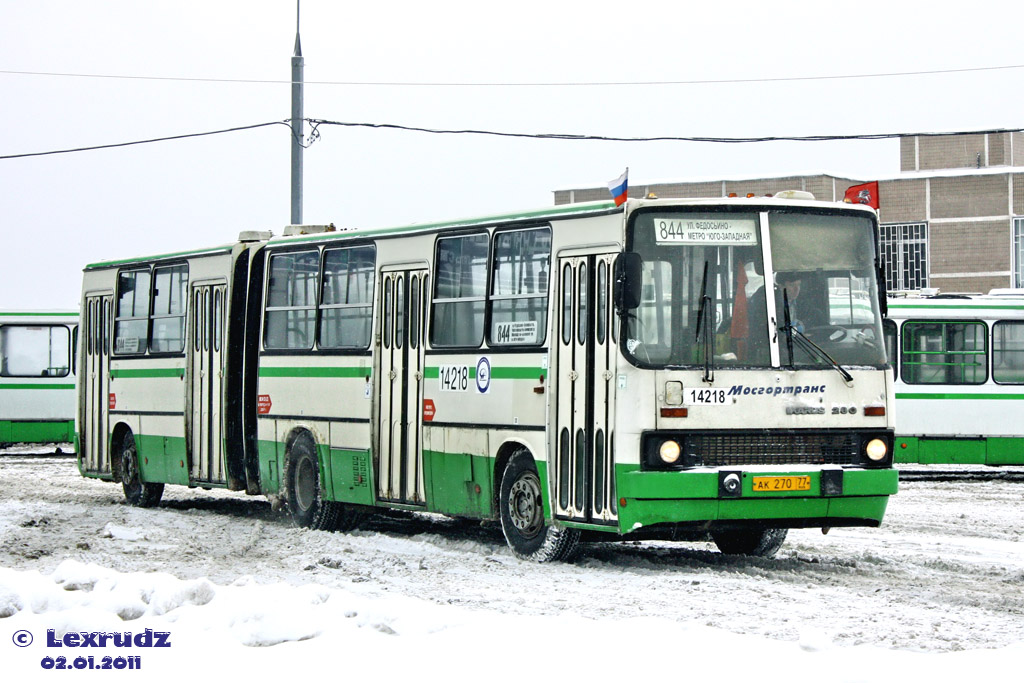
(36,386)
(960,397)
(147,372)
(314,372)
(434,372)
(36,314)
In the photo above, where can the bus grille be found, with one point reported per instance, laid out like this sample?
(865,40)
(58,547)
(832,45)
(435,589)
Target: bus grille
(773,448)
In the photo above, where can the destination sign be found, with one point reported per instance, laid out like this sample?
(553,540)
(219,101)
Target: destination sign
(708,231)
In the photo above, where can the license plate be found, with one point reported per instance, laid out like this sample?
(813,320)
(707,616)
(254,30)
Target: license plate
(782,484)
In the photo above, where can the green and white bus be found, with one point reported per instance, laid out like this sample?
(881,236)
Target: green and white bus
(958,362)
(37,377)
(578,371)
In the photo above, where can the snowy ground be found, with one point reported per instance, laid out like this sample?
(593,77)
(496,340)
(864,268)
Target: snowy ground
(936,594)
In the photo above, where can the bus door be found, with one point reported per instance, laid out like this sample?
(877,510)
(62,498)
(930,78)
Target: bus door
(95,368)
(206,377)
(583,472)
(399,458)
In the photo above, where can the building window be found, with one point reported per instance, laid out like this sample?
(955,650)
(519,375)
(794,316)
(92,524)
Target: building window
(904,249)
(1018,252)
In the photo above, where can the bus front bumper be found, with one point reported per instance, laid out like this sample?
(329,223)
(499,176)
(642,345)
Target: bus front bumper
(836,497)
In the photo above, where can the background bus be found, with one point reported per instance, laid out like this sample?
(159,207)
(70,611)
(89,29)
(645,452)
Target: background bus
(959,370)
(37,377)
(579,369)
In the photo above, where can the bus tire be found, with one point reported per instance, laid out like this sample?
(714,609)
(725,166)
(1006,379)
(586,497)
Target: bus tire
(522,515)
(755,542)
(136,492)
(303,493)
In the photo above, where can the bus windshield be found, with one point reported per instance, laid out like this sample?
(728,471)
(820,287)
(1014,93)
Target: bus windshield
(823,267)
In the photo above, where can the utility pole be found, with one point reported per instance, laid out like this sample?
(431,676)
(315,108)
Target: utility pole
(297,125)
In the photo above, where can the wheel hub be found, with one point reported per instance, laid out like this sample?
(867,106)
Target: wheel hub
(524,505)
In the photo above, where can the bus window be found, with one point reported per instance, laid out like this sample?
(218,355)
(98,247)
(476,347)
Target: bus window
(346,303)
(519,287)
(291,300)
(169,292)
(131,322)
(944,352)
(35,351)
(460,291)
(1008,352)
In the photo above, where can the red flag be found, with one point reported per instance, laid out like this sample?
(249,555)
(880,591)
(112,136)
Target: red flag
(863,194)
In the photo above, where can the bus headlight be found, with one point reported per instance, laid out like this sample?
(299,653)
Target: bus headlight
(669,452)
(876,450)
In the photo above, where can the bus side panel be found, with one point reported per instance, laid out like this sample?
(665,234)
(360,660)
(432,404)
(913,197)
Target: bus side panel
(1005,451)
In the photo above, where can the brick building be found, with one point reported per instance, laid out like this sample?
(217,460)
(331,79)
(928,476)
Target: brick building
(953,219)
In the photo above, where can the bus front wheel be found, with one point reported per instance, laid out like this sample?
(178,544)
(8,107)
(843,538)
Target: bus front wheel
(136,492)
(756,542)
(522,515)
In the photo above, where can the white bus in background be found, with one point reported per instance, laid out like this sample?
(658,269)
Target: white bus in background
(37,377)
(959,368)
(577,371)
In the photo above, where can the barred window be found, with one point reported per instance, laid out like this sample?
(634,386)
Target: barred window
(1018,252)
(904,248)
(944,352)
(346,302)
(291,300)
(519,287)
(1008,352)
(460,291)
(131,321)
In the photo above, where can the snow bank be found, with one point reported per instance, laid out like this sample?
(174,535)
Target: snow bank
(252,628)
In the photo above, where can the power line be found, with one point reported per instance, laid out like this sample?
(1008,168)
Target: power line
(658,138)
(144,142)
(316,123)
(525,84)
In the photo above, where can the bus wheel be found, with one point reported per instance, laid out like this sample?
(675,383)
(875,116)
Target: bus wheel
(136,492)
(522,515)
(303,491)
(757,542)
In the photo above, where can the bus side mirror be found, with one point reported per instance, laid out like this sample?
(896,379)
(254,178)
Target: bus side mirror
(628,280)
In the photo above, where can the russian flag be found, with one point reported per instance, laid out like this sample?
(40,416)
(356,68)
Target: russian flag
(620,188)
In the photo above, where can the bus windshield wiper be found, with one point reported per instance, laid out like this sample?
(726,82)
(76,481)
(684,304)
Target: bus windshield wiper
(702,324)
(806,344)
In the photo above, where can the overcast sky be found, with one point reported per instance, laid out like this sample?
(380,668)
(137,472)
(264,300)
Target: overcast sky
(60,212)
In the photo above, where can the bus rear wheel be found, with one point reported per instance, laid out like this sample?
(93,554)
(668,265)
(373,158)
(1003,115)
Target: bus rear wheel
(136,492)
(756,542)
(522,515)
(304,494)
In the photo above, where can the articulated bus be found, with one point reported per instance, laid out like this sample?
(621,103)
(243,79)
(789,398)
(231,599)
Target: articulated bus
(581,371)
(37,382)
(958,362)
